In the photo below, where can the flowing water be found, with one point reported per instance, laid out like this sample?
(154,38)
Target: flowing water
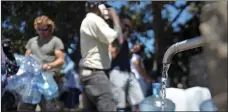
(164,83)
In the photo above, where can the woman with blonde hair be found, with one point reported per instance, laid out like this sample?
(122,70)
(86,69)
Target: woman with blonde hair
(49,50)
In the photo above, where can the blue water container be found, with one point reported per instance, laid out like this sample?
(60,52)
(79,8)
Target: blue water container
(208,105)
(16,81)
(31,94)
(47,85)
(20,59)
(153,103)
(32,64)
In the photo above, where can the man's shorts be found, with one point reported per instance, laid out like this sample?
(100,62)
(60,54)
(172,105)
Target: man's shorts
(126,88)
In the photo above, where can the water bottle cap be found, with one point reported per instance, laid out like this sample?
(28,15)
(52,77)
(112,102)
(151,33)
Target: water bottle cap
(156,85)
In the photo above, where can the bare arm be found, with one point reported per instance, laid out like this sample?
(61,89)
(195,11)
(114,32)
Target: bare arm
(117,43)
(115,47)
(114,51)
(59,61)
(142,71)
(28,52)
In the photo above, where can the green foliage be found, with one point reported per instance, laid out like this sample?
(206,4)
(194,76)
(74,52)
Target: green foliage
(68,16)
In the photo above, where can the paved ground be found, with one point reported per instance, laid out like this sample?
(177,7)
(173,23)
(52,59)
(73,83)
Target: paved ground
(37,108)
(65,109)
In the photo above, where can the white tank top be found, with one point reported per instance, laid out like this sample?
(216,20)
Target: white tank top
(134,58)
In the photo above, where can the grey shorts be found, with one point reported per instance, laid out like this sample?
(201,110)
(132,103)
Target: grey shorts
(126,88)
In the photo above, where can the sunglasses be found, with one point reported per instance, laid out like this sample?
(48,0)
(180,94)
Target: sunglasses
(42,29)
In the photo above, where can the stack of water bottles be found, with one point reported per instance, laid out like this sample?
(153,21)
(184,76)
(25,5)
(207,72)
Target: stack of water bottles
(31,82)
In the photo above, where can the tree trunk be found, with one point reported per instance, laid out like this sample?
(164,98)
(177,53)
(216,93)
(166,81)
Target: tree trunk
(161,37)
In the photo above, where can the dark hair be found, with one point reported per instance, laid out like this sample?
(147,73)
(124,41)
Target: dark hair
(107,6)
(7,48)
(142,47)
(90,5)
(125,17)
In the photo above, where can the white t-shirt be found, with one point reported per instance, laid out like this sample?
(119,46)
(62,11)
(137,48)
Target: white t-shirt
(96,35)
(134,58)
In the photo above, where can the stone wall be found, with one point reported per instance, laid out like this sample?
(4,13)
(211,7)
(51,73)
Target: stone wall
(198,75)
(214,30)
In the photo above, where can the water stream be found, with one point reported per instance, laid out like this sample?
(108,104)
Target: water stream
(164,83)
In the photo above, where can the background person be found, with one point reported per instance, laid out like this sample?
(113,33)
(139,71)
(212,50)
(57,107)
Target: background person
(126,88)
(138,69)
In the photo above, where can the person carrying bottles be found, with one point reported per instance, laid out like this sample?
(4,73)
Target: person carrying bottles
(49,49)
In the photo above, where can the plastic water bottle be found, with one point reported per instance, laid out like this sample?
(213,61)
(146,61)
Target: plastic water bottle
(153,103)
(54,95)
(47,85)
(31,94)
(24,75)
(52,92)
(208,105)
(19,58)
(16,81)
(32,64)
